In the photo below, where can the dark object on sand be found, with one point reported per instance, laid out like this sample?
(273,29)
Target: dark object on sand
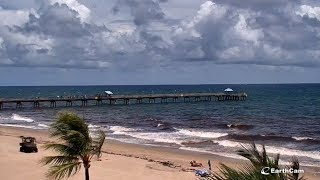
(209,164)
(202,173)
(28,144)
(195,164)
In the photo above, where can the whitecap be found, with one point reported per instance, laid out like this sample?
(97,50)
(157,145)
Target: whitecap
(301,138)
(202,134)
(17,117)
(273,149)
(43,125)
(120,130)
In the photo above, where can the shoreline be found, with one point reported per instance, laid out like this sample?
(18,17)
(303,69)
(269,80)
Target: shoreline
(178,159)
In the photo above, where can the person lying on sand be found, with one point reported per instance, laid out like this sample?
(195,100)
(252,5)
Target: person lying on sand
(195,164)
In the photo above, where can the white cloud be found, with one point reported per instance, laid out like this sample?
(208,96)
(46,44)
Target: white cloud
(311,12)
(67,34)
(247,33)
(82,10)
(13,17)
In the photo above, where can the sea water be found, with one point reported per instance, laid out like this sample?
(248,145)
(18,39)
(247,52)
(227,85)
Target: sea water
(284,117)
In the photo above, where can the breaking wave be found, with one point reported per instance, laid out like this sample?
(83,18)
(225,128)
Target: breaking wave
(17,117)
(203,134)
(273,149)
(177,137)
(259,137)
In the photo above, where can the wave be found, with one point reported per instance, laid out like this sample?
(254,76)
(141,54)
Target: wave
(258,137)
(230,155)
(17,117)
(93,126)
(177,137)
(120,130)
(161,137)
(158,137)
(235,156)
(273,149)
(198,143)
(43,125)
(164,126)
(202,134)
(16,125)
(302,138)
(240,126)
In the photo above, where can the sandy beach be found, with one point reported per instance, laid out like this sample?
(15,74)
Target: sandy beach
(119,160)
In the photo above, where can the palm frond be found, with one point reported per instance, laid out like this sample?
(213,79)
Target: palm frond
(76,147)
(248,172)
(251,153)
(252,171)
(63,170)
(98,143)
(58,160)
(295,165)
(61,149)
(67,122)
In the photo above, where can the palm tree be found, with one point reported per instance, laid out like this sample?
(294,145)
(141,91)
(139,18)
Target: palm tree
(258,161)
(74,148)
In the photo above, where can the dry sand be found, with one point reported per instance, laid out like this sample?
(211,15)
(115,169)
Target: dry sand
(119,160)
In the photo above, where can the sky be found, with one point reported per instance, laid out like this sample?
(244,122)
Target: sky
(110,42)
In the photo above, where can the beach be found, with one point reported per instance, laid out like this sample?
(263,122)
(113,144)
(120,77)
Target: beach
(119,160)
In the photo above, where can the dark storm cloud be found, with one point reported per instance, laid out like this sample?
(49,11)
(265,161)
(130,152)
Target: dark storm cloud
(65,34)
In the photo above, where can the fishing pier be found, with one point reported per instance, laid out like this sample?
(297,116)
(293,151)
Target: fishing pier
(119,99)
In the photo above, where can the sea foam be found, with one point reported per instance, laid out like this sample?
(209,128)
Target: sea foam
(274,149)
(17,117)
(202,134)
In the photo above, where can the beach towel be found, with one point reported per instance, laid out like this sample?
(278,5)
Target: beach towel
(202,173)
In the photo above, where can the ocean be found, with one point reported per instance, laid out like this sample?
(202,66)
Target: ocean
(284,117)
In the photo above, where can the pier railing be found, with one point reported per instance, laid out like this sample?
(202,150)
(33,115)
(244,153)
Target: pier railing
(124,99)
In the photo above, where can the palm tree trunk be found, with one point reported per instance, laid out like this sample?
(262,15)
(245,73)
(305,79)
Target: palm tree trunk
(87,173)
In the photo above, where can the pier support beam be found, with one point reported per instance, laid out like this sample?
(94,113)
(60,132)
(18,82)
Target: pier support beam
(84,103)
(112,101)
(186,99)
(53,104)
(69,103)
(175,99)
(18,105)
(126,101)
(164,100)
(152,100)
(1,105)
(139,100)
(36,104)
(197,99)
(99,102)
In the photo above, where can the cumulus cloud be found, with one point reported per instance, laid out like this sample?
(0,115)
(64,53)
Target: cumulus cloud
(82,10)
(142,11)
(65,34)
(311,12)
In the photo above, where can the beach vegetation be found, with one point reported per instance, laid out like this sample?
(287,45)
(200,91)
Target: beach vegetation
(74,147)
(261,167)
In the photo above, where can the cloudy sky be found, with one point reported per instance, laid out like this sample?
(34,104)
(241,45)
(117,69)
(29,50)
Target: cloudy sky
(67,42)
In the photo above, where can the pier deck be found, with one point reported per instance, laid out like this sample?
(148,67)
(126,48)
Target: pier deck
(124,99)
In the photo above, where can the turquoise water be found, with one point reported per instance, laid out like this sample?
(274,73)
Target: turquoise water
(284,117)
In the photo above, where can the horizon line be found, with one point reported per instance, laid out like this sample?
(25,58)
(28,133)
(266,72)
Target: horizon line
(159,84)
